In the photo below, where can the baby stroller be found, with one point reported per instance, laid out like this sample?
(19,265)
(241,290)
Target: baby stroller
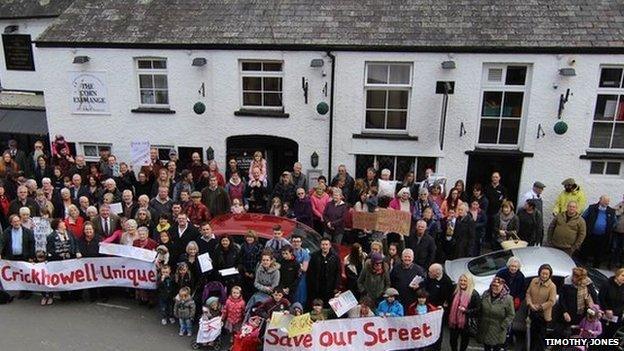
(208,335)
(248,338)
(214,288)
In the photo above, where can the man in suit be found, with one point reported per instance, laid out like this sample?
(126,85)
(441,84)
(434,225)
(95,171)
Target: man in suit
(106,223)
(77,189)
(181,235)
(18,155)
(17,244)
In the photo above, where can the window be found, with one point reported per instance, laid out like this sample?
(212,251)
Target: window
(262,84)
(608,125)
(612,168)
(153,85)
(91,151)
(503,92)
(163,151)
(387,87)
(398,165)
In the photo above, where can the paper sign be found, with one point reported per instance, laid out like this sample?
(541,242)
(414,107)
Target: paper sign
(228,271)
(128,251)
(300,325)
(280,320)
(384,220)
(41,230)
(116,208)
(343,303)
(140,153)
(416,281)
(205,262)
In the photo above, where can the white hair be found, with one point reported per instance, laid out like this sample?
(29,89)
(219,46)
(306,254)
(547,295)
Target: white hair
(111,181)
(131,223)
(46,180)
(404,191)
(141,229)
(436,267)
(24,211)
(407,252)
(385,171)
(514,259)
(92,209)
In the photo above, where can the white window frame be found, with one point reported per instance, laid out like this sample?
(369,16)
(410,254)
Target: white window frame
(152,71)
(604,168)
(606,91)
(97,146)
(393,171)
(371,86)
(163,147)
(502,87)
(261,74)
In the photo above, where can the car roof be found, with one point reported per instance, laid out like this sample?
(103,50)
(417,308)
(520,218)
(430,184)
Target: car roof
(533,257)
(262,224)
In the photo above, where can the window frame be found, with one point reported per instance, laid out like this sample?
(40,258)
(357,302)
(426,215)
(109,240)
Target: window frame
(388,87)
(393,173)
(260,74)
(97,146)
(502,87)
(619,92)
(604,168)
(163,147)
(152,71)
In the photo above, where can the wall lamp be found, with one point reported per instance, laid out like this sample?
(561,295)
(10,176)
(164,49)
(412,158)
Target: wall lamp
(81,59)
(567,72)
(199,61)
(11,29)
(448,65)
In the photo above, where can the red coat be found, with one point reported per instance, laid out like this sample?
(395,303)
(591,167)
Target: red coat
(234,310)
(148,244)
(76,228)
(411,309)
(198,213)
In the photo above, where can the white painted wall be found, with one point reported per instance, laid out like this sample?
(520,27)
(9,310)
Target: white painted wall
(24,80)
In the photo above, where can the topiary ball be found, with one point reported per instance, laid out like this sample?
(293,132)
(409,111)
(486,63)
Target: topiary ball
(322,108)
(199,108)
(561,127)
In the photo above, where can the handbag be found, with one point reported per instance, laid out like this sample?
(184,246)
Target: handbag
(515,243)
(473,327)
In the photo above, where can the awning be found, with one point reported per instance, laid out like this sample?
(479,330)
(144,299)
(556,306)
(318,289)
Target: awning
(23,121)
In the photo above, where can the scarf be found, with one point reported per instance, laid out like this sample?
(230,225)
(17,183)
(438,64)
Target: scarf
(503,293)
(457,319)
(377,271)
(505,219)
(583,298)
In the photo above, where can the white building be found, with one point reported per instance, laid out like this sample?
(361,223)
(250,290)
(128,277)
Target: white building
(509,67)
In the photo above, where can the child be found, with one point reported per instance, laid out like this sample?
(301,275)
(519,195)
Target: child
(289,272)
(208,331)
(162,258)
(421,306)
(276,304)
(390,307)
(47,297)
(287,211)
(182,276)
(296,309)
(318,313)
(212,308)
(260,162)
(249,336)
(237,207)
(184,310)
(234,310)
(590,326)
(165,290)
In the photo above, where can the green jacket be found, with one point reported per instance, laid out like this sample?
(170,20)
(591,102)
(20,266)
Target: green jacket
(567,234)
(496,317)
(373,285)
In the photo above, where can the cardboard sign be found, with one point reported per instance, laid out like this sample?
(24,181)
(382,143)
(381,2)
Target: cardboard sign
(364,220)
(384,220)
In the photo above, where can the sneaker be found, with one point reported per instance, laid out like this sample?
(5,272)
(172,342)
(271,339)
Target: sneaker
(44,301)
(189,334)
(181,333)
(172,321)
(163,321)
(50,301)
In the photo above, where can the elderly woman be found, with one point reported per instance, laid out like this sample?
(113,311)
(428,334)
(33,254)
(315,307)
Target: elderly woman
(334,217)
(27,221)
(514,279)
(92,214)
(497,313)
(403,202)
(374,278)
(505,224)
(131,234)
(540,298)
(577,295)
(74,222)
(611,299)
(143,218)
(465,305)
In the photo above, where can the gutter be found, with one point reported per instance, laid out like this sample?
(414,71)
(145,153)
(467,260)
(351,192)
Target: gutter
(331,114)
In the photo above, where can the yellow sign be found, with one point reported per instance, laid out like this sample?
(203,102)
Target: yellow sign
(300,325)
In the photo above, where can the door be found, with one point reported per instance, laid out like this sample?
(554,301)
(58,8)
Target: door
(481,167)
(185,153)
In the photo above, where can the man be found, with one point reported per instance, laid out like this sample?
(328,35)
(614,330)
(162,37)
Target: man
(18,155)
(77,189)
(530,223)
(600,220)
(404,277)
(423,202)
(495,192)
(110,187)
(571,192)
(161,203)
(31,161)
(215,198)
(207,241)
(256,193)
(106,223)
(80,167)
(534,194)
(17,244)
(278,241)
(197,166)
(181,235)
(299,179)
(422,244)
(152,170)
(111,168)
(185,183)
(128,206)
(197,212)
(440,288)
(567,230)
(23,200)
(349,182)
(323,273)
(464,232)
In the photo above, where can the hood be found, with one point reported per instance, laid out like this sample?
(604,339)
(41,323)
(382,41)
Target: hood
(295,306)
(457,267)
(272,268)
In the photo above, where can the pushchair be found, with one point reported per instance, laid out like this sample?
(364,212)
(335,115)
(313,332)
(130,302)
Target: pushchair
(208,334)
(214,288)
(248,338)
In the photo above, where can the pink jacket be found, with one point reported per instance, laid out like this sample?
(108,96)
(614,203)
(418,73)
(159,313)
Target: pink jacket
(234,310)
(319,204)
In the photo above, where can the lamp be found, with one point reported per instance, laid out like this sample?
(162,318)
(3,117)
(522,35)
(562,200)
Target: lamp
(11,29)
(567,72)
(317,63)
(81,59)
(314,159)
(209,153)
(448,65)
(199,61)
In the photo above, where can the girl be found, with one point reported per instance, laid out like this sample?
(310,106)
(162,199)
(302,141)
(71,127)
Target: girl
(318,313)
(422,305)
(237,207)
(260,162)
(234,311)
(276,207)
(183,278)
(590,326)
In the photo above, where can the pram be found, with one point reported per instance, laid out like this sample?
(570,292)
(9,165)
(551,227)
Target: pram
(248,338)
(208,335)
(214,288)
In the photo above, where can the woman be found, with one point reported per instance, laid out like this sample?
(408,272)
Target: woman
(285,189)
(8,167)
(27,221)
(276,207)
(374,278)
(266,280)
(451,203)
(461,187)
(248,259)
(143,218)
(95,191)
(362,235)
(61,245)
(371,178)
(436,195)
(577,295)
(363,310)
(540,297)
(126,178)
(43,202)
(226,254)
(42,170)
(505,224)
(514,279)
(190,257)
(465,305)
(409,182)
(611,299)
(334,217)
(319,201)
(480,219)
(4,207)
(235,187)
(164,180)
(302,208)
(74,222)
(131,234)
(403,202)
(213,170)
(353,264)
(497,313)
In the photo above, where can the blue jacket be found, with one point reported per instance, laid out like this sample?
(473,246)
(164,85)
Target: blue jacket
(390,310)
(591,214)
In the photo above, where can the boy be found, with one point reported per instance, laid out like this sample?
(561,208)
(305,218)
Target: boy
(277,242)
(184,310)
(276,304)
(165,290)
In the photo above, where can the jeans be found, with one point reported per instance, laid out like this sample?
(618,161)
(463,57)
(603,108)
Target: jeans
(186,325)
(456,334)
(165,307)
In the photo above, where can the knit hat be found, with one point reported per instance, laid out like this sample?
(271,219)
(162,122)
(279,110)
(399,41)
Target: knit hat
(294,307)
(391,292)
(376,257)
(211,300)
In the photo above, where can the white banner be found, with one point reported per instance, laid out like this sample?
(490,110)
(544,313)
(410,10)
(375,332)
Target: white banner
(41,231)
(371,334)
(128,251)
(88,93)
(140,153)
(77,274)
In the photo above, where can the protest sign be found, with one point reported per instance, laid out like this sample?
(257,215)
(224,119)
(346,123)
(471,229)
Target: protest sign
(205,262)
(364,220)
(280,320)
(228,271)
(41,230)
(140,153)
(384,220)
(128,251)
(116,208)
(76,274)
(374,333)
(300,325)
(343,303)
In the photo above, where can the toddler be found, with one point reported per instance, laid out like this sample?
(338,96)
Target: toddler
(237,207)
(234,310)
(184,310)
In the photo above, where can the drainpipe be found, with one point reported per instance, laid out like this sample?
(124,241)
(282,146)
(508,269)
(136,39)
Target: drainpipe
(331,114)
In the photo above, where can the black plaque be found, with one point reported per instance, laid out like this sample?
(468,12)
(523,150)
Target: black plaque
(18,53)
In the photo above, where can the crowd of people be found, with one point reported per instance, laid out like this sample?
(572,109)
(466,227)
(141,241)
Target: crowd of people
(167,207)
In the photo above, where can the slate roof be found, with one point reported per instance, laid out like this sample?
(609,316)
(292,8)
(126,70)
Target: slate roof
(407,25)
(15,9)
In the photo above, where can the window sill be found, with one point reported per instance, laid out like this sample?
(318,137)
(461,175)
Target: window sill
(498,152)
(602,155)
(261,113)
(161,110)
(389,136)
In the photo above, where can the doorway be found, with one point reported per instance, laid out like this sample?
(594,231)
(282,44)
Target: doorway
(509,165)
(280,153)
(185,155)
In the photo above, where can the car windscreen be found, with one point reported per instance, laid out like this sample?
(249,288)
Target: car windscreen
(311,240)
(489,264)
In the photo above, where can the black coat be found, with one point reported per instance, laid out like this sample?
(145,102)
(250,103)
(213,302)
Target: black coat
(323,275)
(591,214)
(474,306)
(180,242)
(28,244)
(289,275)
(89,248)
(54,242)
(424,251)
(440,291)
(568,300)
(495,197)
(400,279)
(207,246)
(15,205)
(611,297)
(464,235)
